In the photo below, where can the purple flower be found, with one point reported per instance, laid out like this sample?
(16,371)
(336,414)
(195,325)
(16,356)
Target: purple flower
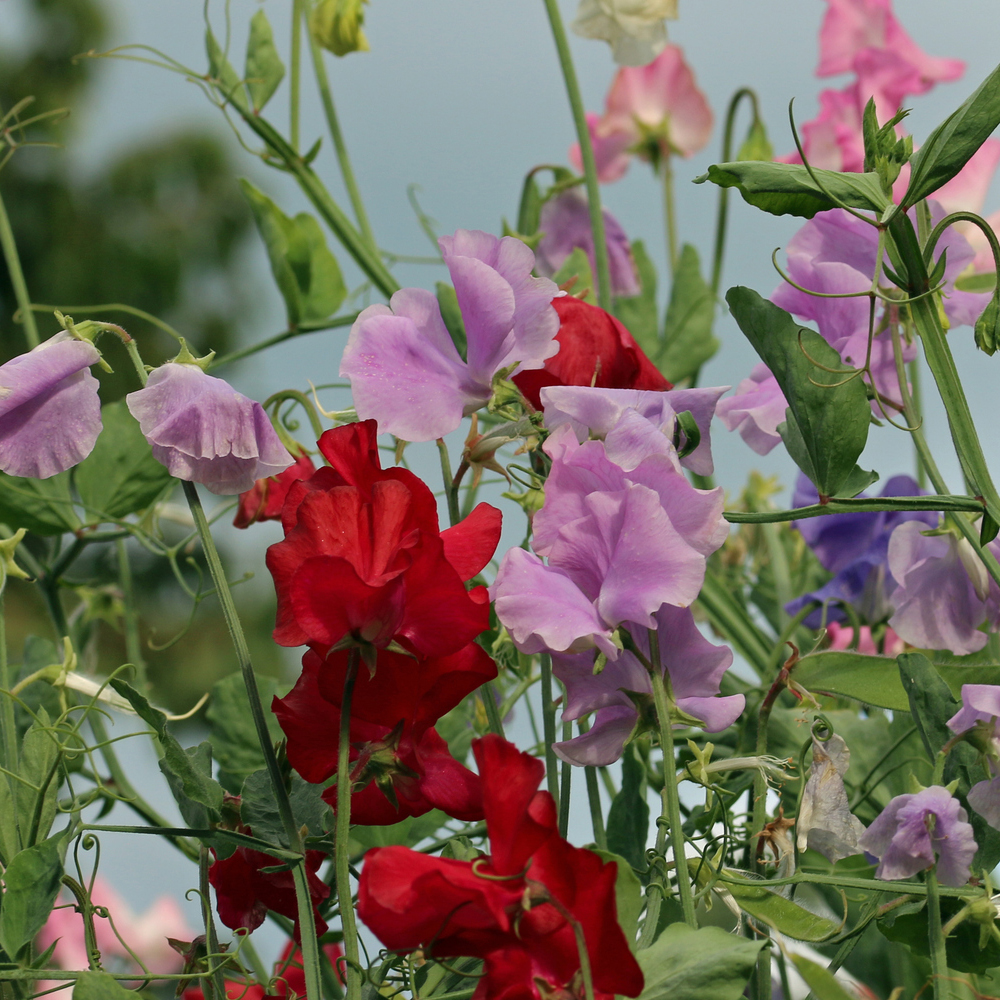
(981,710)
(623,531)
(50,414)
(204,431)
(694,665)
(404,369)
(756,409)
(913,828)
(855,548)
(593,412)
(944,593)
(565,221)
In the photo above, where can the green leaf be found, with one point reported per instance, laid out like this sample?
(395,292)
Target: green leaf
(9,841)
(264,68)
(190,779)
(932,704)
(120,476)
(31,884)
(223,74)
(306,273)
(628,817)
(830,416)
(452,316)
(687,333)
(530,209)
(703,964)
(629,899)
(231,729)
(100,986)
(638,313)
(787,188)
(873,680)
(576,265)
(408,832)
(44,506)
(822,982)
(952,144)
(259,808)
(976,282)
(782,914)
(36,793)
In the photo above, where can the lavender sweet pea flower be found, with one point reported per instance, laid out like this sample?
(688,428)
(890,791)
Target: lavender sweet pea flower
(756,409)
(565,221)
(944,594)
(981,710)
(50,414)
(695,667)
(404,369)
(904,845)
(204,431)
(593,412)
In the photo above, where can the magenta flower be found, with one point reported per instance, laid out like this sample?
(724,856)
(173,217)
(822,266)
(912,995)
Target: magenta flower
(50,414)
(944,595)
(594,412)
(695,667)
(913,828)
(623,531)
(756,409)
(565,222)
(204,431)
(404,369)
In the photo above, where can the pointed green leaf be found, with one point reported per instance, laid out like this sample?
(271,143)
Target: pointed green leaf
(222,73)
(43,506)
(100,986)
(831,415)
(873,680)
(822,982)
(316,270)
(687,333)
(628,817)
(259,809)
(31,884)
(638,313)
(782,914)
(36,792)
(264,68)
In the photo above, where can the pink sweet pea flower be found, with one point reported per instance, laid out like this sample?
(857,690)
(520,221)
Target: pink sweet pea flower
(756,409)
(610,143)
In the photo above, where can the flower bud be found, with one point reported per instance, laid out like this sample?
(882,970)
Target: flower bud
(336,25)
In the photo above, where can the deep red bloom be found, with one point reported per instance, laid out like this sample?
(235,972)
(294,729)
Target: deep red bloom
(363,556)
(594,349)
(263,502)
(518,924)
(244,893)
(396,754)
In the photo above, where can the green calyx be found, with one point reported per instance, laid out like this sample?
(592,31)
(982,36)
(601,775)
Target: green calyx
(185,357)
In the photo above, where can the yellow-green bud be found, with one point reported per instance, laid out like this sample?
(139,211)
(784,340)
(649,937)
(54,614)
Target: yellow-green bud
(336,25)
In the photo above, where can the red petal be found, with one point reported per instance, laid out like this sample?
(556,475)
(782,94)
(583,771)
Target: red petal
(470,545)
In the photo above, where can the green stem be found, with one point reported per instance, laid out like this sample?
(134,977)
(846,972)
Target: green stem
(346,170)
(217,981)
(450,489)
(779,570)
(309,326)
(586,153)
(488,694)
(594,798)
(581,947)
(9,247)
(671,798)
(7,720)
(943,502)
(669,211)
(914,370)
(935,938)
(732,621)
(565,785)
(133,644)
(307,924)
(295,75)
(342,854)
(549,725)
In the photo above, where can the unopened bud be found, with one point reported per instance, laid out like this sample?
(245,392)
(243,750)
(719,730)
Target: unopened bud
(336,25)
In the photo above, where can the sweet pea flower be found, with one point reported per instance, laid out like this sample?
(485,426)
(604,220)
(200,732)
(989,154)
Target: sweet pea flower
(842,637)
(633,28)
(695,667)
(204,431)
(595,349)
(981,711)
(944,595)
(610,143)
(906,843)
(50,414)
(264,500)
(825,822)
(565,221)
(404,369)
(756,409)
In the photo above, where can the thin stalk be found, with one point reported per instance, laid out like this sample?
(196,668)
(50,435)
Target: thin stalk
(312,326)
(341,859)
(915,376)
(307,924)
(594,798)
(133,644)
(9,247)
(779,570)
(669,210)
(346,170)
(586,153)
(295,74)
(488,694)
(217,981)
(670,796)
(450,490)
(7,723)
(732,621)
(565,785)
(549,725)
(943,502)
(581,946)
(935,938)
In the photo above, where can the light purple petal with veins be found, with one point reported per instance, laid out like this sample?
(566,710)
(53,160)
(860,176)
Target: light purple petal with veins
(604,743)
(984,797)
(756,409)
(50,413)
(980,703)
(204,431)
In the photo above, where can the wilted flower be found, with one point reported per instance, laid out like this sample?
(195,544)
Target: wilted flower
(204,431)
(913,828)
(336,25)
(633,28)
(50,414)
(825,822)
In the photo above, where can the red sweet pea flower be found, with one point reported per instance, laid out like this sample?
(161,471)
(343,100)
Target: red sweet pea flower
(402,767)
(515,908)
(363,559)
(264,501)
(594,349)
(244,893)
